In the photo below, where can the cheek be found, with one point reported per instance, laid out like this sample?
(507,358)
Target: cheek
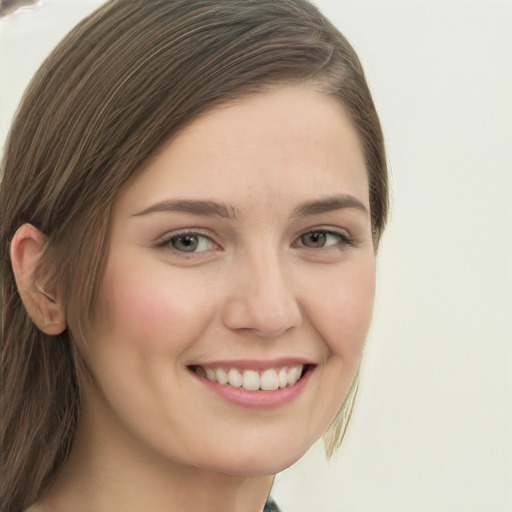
(345,311)
(356,310)
(150,309)
(341,312)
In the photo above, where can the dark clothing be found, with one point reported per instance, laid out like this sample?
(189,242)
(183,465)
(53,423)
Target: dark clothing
(270,506)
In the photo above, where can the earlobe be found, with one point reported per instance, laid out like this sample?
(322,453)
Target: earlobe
(44,306)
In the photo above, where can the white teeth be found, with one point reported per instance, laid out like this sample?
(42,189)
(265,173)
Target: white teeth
(211,375)
(269,380)
(222,376)
(282,377)
(235,378)
(251,380)
(294,374)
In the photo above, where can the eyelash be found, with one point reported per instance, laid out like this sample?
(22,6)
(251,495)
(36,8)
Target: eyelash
(344,240)
(166,242)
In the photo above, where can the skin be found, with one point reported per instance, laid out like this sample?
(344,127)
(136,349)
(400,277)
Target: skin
(260,287)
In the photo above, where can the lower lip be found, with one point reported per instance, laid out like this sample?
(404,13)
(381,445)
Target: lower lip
(258,399)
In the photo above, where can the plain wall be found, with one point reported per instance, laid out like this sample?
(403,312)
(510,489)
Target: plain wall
(432,426)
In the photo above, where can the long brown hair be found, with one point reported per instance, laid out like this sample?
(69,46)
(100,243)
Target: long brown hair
(112,93)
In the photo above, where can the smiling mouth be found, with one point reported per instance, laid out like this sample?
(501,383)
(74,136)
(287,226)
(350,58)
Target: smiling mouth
(270,379)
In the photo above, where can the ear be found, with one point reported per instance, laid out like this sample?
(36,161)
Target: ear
(44,306)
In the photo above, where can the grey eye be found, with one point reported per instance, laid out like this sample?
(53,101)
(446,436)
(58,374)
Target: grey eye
(190,243)
(185,243)
(324,239)
(314,239)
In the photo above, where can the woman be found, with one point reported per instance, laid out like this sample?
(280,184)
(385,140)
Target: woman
(193,193)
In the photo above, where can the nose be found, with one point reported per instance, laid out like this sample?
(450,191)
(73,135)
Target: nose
(261,298)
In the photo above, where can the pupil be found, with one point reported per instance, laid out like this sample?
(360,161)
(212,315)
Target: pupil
(316,239)
(185,243)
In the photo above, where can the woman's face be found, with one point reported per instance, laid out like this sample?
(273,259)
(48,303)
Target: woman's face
(243,252)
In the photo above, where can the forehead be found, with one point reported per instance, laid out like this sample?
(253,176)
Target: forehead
(279,145)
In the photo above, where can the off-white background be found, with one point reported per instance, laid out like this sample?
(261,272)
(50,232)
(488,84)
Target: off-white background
(432,429)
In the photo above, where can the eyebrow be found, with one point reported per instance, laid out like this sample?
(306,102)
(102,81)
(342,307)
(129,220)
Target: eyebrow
(327,204)
(211,208)
(196,207)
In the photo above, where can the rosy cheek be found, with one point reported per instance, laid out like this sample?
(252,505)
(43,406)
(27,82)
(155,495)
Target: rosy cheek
(147,310)
(350,312)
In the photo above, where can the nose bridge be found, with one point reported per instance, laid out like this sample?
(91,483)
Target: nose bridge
(262,298)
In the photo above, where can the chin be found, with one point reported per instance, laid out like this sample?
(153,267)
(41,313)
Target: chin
(259,462)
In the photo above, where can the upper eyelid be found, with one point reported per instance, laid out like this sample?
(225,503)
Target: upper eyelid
(165,239)
(344,236)
(187,231)
(326,229)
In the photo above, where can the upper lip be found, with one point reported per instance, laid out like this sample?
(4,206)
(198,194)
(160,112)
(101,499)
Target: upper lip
(254,364)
